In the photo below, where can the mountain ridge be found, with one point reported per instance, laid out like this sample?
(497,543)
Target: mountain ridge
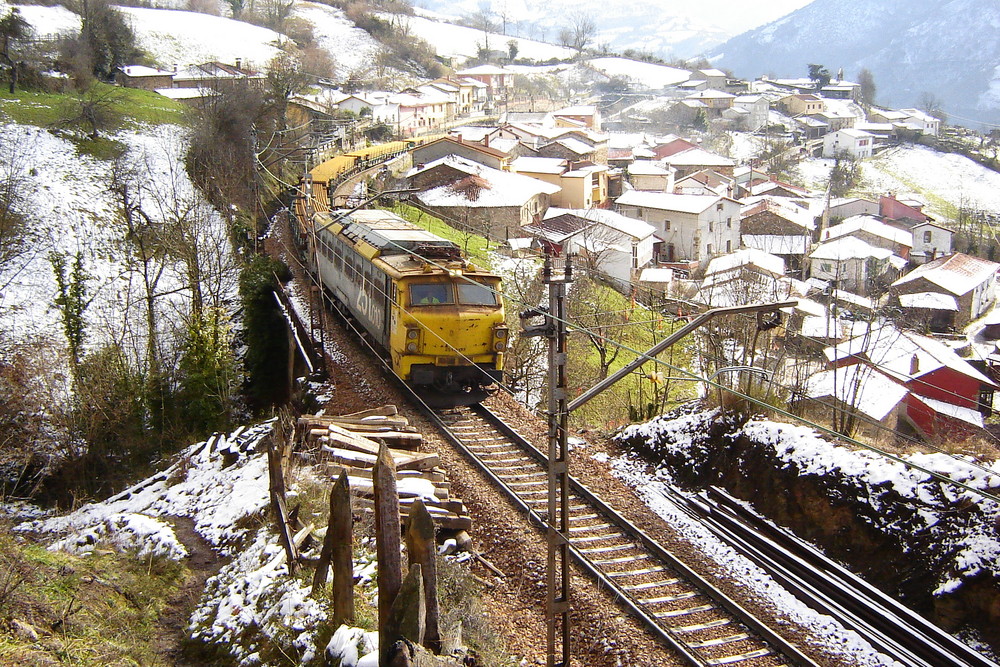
(949,48)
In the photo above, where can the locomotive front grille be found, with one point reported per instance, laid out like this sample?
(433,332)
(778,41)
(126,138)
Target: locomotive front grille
(453,361)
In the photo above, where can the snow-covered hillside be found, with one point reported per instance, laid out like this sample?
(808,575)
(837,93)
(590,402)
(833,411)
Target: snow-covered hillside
(350,47)
(454,41)
(664,29)
(941,180)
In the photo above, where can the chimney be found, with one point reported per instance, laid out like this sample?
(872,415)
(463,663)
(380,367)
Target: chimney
(914,364)
(239,63)
(486,140)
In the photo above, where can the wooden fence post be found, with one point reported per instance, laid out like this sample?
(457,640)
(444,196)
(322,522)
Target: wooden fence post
(420,549)
(279,506)
(338,553)
(387,545)
(408,615)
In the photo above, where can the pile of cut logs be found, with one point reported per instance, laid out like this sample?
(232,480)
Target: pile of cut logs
(351,443)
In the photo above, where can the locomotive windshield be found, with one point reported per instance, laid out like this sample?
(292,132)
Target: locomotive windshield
(476,294)
(430,294)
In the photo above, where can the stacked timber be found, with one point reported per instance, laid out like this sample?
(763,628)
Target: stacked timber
(350,443)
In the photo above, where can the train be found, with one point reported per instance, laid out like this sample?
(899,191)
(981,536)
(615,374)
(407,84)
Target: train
(438,318)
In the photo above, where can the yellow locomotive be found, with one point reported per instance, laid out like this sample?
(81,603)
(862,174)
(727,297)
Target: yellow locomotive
(439,318)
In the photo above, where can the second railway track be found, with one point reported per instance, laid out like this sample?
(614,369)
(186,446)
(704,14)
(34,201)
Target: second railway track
(701,623)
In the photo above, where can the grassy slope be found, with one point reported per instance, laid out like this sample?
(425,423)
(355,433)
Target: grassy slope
(127,108)
(96,610)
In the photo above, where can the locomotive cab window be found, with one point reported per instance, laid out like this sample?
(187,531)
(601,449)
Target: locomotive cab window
(430,294)
(476,294)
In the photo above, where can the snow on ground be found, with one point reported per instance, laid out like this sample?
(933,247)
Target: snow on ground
(200,485)
(54,20)
(453,41)
(836,637)
(647,74)
(971,539)
(937,179)
(70,204)
(187,38)
(350,47)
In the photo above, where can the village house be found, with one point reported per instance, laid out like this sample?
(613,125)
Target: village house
(648,175)
(921,121)
(756,107)
(690,227)
(498,82)
(586,115)
(476,152)
(706,182)
(473,197)
(971,281)
(874,232)
(847,207)
(215,74)
(709,78)
(582,185)
(612,244)
(670,145)
(146,78)
(930,241)
(802,104)
(906,381)
(851,264)
(471,93)
(779,228)
(741,277)
(851,143)
(695,159)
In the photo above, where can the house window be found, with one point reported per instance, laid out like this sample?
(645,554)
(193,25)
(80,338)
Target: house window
(729,246)
(729,223)
(711,226)
(826,267)
(708,249)
(927,236)
(666,225)
(718,207)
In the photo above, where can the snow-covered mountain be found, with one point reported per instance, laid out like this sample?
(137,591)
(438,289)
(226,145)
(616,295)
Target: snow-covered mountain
(658,27)
(950,48)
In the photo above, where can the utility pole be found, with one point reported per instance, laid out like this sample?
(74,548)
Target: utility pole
(557,601)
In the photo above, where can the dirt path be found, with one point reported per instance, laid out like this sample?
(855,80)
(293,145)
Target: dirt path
(203,562)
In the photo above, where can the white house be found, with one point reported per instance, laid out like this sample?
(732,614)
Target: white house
(852,264)
(930,241)
(757,108)
(917,119)
(690,227)
(649,175)
(620,247)
(853,143)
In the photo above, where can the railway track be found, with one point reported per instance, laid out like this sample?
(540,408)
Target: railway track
(699,622)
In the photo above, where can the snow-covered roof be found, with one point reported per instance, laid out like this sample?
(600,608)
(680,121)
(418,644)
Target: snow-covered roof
(858,385)
(749,258)
(483,70)
(929,301)
(820,326)
(848,247)
(666,201)
(138,71)
(656,275)
(578,110)
(637,229)
(777,244)
(493,188)
(958,273)
(539,165)
(648,168)
(968,415)
(905,355)
(854,133)
(186,93)
(781,207)
(575,145)
(710,94)
(698,157)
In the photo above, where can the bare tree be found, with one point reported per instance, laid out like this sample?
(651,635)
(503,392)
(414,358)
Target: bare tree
(17,236)
(867,89)
(579,33)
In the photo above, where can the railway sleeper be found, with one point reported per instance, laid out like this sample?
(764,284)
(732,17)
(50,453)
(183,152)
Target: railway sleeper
(597,538)
(535,482)
(698,627)
(651,584)
(586,529)
(625,559)
(670,598)
(597,550)
(641,572)
(719,641)
(685,612)
(733,659)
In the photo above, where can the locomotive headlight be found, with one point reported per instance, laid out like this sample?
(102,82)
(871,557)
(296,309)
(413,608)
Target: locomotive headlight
(500,333)
(499,346)
(411,347)
(412,334)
